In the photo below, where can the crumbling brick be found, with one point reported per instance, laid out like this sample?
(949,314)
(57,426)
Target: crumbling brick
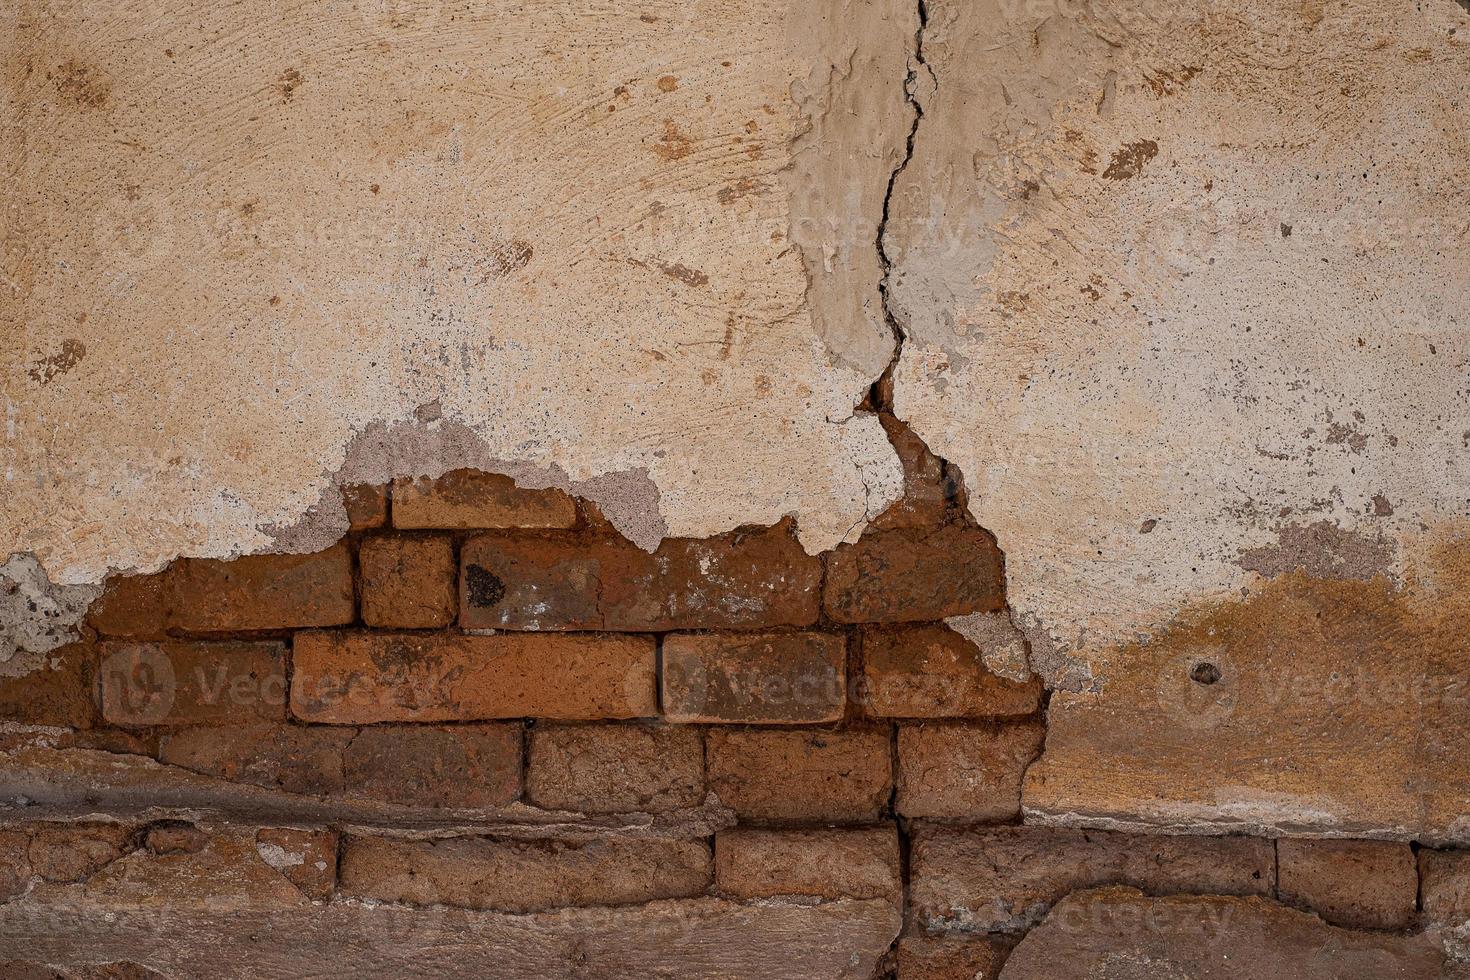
(466,499)
(926,491)
(186,682)
(290,758)
(969,772)
(366,505)
(615,768)
(75,851)
(1444,885)
(408,582)
(435,766)
(524,876)
(59,692)
(801,775)
(263,592)
(914,575)
(361,678)
(308,858)
(1360,884)
(859,862)
(754,677)
(954,956)
(930,671)
(744,580)
(133,606)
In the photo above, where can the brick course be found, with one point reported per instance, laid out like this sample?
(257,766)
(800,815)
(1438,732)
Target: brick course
(468,499)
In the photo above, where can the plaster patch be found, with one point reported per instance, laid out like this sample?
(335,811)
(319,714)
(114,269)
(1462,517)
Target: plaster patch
(35,615)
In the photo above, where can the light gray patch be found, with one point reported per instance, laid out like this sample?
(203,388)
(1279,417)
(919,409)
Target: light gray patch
(321,526)
(35,615)
(1058,669)
(629,499)
(1002,646)
(1322,550)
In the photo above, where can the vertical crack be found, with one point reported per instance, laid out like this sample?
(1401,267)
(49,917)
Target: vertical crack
(881,395)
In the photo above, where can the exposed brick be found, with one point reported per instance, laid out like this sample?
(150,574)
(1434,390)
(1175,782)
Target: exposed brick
(615,768)
(408,582)
(59,692)
(754,677)
(743,580)
(15,864)
(1360,884)
(183,682)
(366,505)
(860,862)
(968,772)
(914,575)
(801,775)
(1005,878)
(175,837)
(463,499)
(133,606)
(956,956)
(308,858)
(261,592)
(360,678)
(291,758)
(450,766)
(926,491)
(930,671)
(1444,884)
(524,876)
(75,851)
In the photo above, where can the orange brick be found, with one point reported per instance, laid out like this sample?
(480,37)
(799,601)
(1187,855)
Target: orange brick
(463,499)
(753,677)
(859,862)
(133,606)
(801,775)
(360,678)
(183,682)
(930,671)
(914,575)
(747,580)
(927,491)
(366,504)
(423,765)
(407,582)
(969,772)
(260,592)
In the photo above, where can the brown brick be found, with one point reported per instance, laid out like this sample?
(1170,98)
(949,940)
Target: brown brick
(175,837)
(1444,884)
(308,858)
(860,862)
(184,682)
(260,592)
(996,879)
(366,505)
(968,772)
(754,677)
(795,774)
(58,692)
(915,575)
(15,864)
(291,758)
(743,580)
(615,768)
(931,671)
(957,956)
(360,678)
(463,499)
(408,582)
(524,876)
(1360,884)
(133,606)
(75,851)
(926,491)
(450,766)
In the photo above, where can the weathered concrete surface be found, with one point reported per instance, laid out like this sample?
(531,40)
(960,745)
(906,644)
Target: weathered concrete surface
(1119,934)
(1186,296)
(627,250)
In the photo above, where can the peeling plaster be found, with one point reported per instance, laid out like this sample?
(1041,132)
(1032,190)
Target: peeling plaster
(36,617)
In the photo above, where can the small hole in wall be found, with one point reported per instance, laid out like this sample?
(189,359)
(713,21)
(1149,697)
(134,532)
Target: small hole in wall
(1204,673)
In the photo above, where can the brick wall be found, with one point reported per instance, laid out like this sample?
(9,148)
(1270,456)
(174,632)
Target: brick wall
(484,699)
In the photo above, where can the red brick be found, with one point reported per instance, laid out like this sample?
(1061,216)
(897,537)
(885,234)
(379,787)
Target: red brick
(914,575)
(360,678)
(1360,884)
(524,876)
(969,772)
(998,879)
(744,580)
(408,582)
(450,766)
(931,671)
(293,758)
(133,606)
(754,677)
(260,592)
(59,692)
(183,682)
(926,490)
(860,862)
(463,499)
(801,775)
(308,858)
(615,768)
(952,957)
(366,505)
